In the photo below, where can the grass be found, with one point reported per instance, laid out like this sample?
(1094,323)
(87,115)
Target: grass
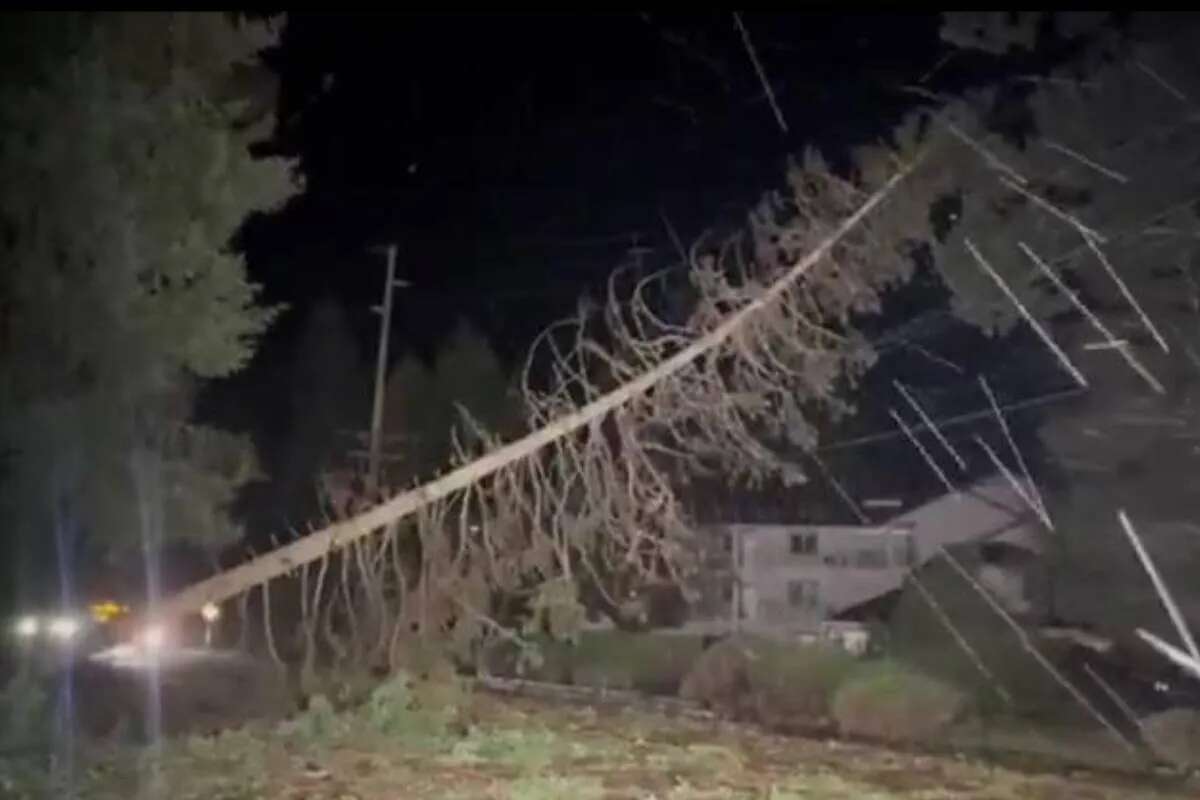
(394,746)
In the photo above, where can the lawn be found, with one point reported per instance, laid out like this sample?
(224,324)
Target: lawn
(414,742)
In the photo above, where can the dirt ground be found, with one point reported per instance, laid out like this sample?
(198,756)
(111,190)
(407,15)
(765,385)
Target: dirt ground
(203,694)
(533,750)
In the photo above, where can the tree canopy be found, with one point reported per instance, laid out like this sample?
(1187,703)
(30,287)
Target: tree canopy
(1069,205)
(125,171)
(425,404)
(330,392)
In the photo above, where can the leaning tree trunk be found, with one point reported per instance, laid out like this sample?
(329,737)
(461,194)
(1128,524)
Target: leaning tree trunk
(310,548)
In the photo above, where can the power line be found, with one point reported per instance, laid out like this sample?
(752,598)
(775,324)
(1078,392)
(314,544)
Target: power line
(948,422)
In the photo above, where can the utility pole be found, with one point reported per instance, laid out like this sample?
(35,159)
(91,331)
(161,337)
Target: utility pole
(384,310)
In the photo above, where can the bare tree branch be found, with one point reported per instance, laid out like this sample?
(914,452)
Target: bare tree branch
(738,368)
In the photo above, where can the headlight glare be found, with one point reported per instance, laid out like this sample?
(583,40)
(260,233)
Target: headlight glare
(64,628)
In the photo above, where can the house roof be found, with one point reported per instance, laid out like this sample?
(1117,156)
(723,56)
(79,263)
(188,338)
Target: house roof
(990,510)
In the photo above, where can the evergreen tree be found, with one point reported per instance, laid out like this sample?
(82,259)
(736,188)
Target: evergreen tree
(124,173)
(330,392)
(1081,185)
(423,405)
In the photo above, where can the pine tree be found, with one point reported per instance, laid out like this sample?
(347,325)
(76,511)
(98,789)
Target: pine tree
(124,174)
(330,393)
(423,405)
(1090,198)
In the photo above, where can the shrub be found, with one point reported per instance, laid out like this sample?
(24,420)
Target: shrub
(778,683)
(720,678)
(648,662)
(537,658)
(888,701)
(652,663)
(794,684)
(602,676)
(319,721)
(415,710)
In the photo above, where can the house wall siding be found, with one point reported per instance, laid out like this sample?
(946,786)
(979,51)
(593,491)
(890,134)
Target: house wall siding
(850,565)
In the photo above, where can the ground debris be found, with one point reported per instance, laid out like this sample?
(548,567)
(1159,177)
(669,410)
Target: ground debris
(524,748)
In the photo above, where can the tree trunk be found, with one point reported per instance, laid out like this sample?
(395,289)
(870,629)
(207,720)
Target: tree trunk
(292,556)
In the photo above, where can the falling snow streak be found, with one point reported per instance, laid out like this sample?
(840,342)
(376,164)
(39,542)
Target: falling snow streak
(1037,327)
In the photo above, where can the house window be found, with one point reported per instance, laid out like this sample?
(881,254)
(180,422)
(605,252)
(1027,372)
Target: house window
(727,543)
(803,544)
(804,594)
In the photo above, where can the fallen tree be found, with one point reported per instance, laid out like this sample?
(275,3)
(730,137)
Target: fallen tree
(747,301)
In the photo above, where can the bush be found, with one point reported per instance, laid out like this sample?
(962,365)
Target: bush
(720,678)
(798,682)
(602,676)
(415,710)
(319,722)
(537,658)
(777,683)
(891,702)
(647,662)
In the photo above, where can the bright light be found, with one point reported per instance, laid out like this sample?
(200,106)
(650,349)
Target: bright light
(64,627)
(153,637)
(211,612)
(107,611)
(27,627)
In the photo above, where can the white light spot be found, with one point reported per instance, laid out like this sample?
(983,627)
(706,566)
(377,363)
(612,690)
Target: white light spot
(64,627)
(153,637)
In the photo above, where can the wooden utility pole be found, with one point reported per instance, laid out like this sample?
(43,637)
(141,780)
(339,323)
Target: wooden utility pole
(384,310)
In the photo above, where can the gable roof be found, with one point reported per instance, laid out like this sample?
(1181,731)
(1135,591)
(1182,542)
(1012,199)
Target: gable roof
(990,510)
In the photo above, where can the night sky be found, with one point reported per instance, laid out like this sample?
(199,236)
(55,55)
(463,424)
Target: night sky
(515,160)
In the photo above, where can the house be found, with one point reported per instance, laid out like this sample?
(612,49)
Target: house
(794,580)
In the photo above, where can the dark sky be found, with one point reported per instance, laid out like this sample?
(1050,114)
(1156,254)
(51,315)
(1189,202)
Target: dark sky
(515,160)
